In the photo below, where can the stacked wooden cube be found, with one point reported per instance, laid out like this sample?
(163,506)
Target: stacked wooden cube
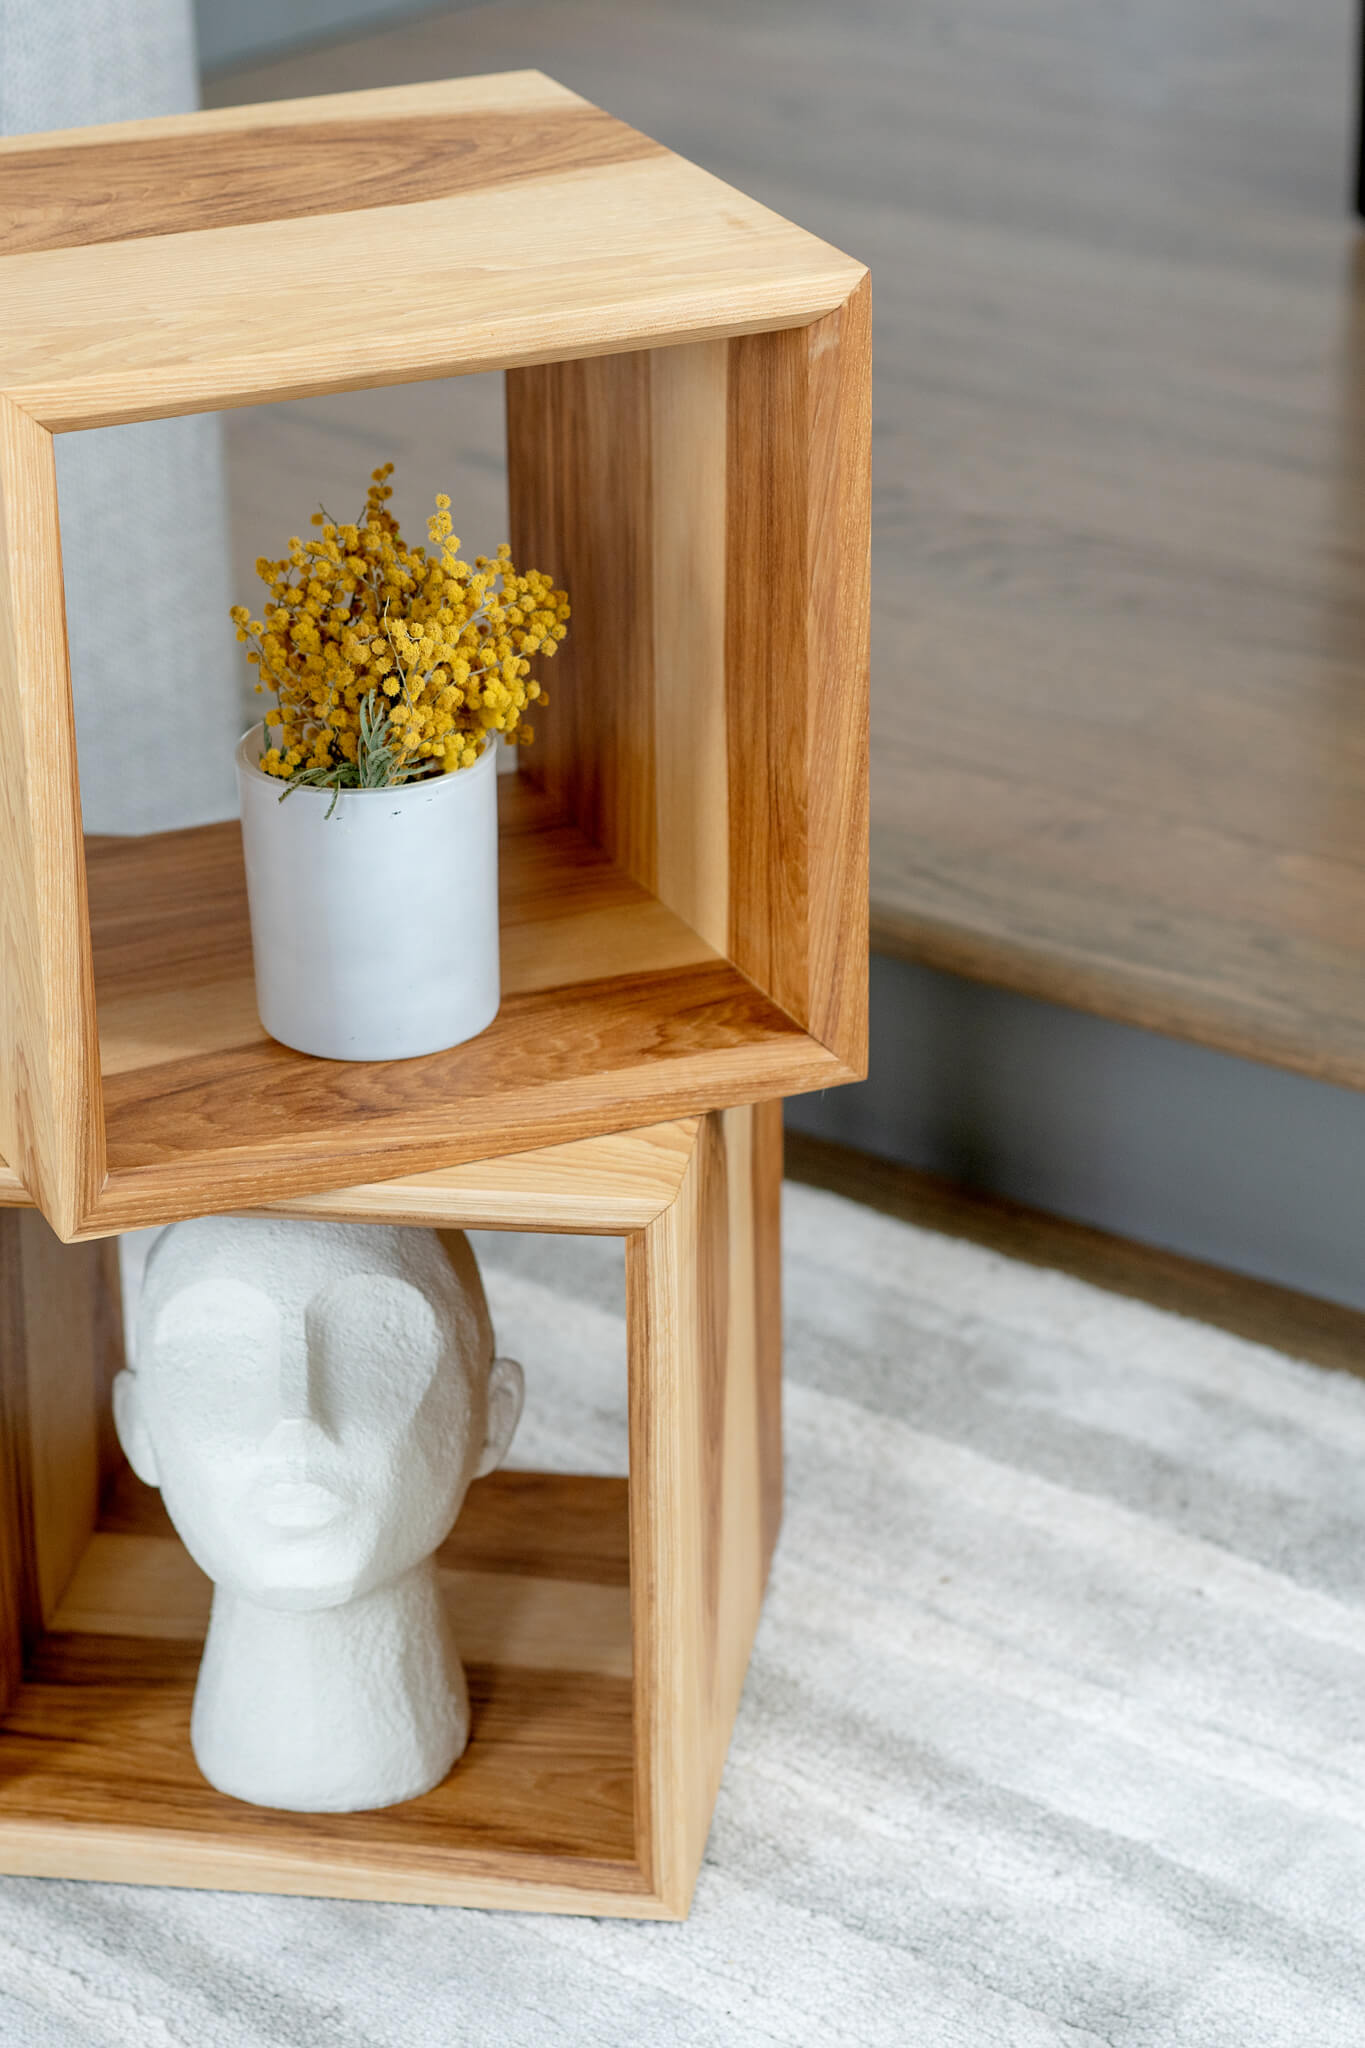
(684,942)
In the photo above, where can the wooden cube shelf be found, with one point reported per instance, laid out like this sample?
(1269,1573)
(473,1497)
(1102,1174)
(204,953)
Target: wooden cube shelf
(688,428)
(605,1624)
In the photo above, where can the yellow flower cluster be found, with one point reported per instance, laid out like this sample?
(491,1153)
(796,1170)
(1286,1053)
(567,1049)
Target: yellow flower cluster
(388,662)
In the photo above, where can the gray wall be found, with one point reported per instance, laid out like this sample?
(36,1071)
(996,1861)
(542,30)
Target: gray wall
(1148,1137)
(233,31)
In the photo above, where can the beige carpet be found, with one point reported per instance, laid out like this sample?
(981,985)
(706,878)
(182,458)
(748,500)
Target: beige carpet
(1055,1732)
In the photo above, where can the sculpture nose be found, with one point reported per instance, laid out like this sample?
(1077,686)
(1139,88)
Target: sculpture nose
(299,1393)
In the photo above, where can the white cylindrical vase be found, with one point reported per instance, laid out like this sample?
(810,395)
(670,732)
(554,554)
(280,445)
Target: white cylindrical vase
(375,928)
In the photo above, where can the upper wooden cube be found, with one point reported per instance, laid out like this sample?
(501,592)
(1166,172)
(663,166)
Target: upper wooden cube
(684,882)
(207,260)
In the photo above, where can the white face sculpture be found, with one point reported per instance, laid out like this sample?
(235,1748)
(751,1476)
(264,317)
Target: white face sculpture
(313,1400)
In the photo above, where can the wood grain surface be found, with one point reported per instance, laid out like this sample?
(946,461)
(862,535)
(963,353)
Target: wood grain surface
(73,196)
(165,308)
(580,500)
(95,1756)
(50,1127)
(60,1345)
(205,1113)
(798,516)
(595,1187)
(504,1524)
(708,508)
(602,1186)
(689,710)
(614,1012)
(20,1616)
(705,1456)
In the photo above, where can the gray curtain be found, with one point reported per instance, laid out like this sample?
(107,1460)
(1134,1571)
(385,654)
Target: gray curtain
(158,706)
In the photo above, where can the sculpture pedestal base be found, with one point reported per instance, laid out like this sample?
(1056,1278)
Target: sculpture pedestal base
(605,1624)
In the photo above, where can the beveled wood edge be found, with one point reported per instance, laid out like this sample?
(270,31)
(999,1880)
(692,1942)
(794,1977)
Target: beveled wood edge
(574,1187)
(146,1197)
(686,1625)
(497,1878)
(1145,999)
(480,92)
(798,927)
(136,1198)
(840,623)
(53,1117)
(101,401)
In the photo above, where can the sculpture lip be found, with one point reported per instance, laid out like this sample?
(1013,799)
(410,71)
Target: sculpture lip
(299,1504)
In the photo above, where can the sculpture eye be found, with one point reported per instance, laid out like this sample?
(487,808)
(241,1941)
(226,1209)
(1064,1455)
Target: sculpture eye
(214,1349)
(374,1344)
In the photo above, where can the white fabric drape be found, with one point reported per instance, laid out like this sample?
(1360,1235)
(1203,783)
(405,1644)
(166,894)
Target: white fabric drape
(154,664)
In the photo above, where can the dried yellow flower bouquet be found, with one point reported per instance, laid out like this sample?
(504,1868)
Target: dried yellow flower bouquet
(392,663)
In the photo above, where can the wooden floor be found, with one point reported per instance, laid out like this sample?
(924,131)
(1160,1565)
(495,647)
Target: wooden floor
(1119,645)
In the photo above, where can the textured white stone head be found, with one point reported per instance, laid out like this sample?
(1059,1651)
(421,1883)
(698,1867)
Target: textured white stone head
(313,1400)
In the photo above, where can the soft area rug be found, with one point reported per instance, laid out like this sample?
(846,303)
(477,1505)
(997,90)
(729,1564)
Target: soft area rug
(1055,1730)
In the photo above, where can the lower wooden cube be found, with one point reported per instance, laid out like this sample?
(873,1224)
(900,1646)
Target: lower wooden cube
(605,1624)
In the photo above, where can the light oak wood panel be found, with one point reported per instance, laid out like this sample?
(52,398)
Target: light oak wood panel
(62,1363)
(705,1455)
(517,1595)
(617,477)
(708,509)
(18,1577)
(173,943)
(50,1099)
(742,1463)
(798,513)
(112,1849)
(196,1136)
(768,1165)
(150,1586)
(614,1011)
(60,1345)
(687,460)
(71,197)
(632,247)
(98,1737)
(546,1776)
(579,449)
(597,1186)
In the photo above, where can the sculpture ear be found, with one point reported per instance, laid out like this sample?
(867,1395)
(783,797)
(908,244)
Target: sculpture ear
(132,1428)
(506,1388)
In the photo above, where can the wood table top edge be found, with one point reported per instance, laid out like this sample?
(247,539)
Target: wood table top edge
(1119,993)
